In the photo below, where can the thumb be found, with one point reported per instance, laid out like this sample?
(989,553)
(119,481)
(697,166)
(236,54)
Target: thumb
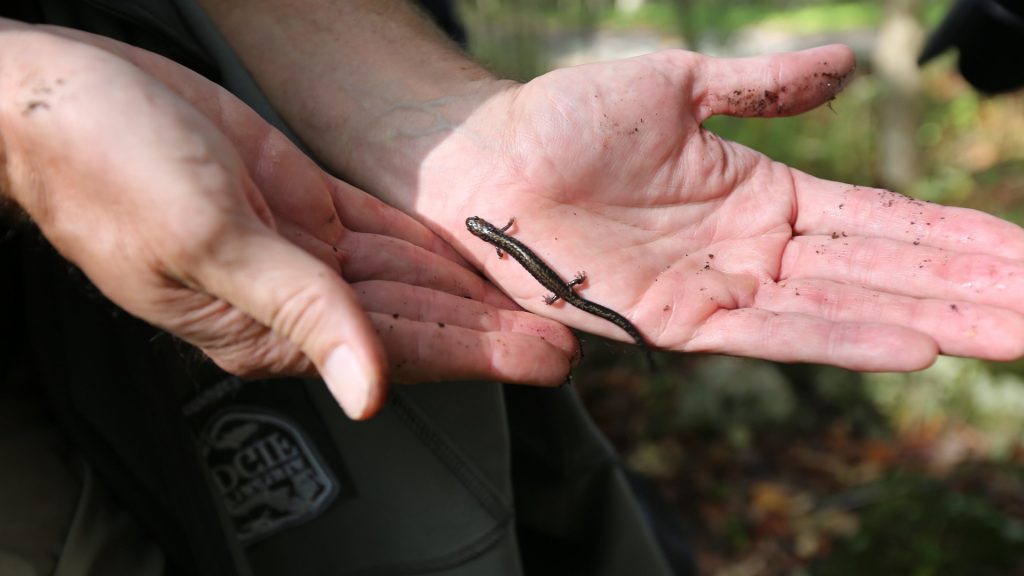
(305,301)
(773,85)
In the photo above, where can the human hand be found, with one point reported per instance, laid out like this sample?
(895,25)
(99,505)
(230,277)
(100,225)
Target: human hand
(188,211)
(708,246)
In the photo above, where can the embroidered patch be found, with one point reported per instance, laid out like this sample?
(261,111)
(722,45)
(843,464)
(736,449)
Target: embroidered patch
(269,476)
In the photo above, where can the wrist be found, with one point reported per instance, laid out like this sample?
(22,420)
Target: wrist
(372,87)
(400,152)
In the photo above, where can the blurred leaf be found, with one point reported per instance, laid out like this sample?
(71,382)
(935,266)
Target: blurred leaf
(926,527)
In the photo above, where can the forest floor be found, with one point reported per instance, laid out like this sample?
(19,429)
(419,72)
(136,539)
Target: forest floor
(774,472)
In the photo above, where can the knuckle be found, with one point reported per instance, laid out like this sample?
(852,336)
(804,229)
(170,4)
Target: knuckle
(262,355)
(205,238)
(300,309)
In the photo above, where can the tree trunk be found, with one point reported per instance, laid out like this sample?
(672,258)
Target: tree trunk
(628,6)
(894,60)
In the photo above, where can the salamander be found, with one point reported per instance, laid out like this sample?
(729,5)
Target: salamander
(561,290)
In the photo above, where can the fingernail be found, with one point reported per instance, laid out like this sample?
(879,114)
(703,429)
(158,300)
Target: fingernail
(348,381)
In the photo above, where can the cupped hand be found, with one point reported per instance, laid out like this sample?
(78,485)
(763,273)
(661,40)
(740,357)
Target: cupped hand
(188,211)
(708,246)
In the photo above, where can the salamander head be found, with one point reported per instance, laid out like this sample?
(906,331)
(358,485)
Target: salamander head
(479,227)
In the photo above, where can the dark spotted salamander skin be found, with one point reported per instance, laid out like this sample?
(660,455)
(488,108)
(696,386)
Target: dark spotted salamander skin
(548,278)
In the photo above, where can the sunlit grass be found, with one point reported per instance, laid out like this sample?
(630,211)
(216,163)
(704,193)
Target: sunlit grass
(719,17)
(824,18)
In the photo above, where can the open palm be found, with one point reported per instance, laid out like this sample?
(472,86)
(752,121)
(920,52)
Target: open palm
(706,245)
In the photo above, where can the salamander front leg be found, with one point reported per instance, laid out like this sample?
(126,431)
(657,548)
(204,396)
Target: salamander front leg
(511,221)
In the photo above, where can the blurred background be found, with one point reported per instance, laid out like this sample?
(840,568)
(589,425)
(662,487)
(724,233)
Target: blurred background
(784,469)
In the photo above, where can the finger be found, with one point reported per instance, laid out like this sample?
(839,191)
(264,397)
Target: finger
(437,351)
(431,306)
(303,300)
(362,212)
(318,204)
(361,257)
(903,268)
(773,85)
(788,337)
(372,257)
(827,208)
(959,328)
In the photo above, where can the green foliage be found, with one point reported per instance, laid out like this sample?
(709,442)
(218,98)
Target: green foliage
(508,34)
(735,397)
(955,392)
(834,142)
(925,527)
(816,18)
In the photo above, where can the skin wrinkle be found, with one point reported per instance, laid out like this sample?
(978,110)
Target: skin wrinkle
(471,314)
(233,351)
(266,158)
(495,353)
(235,354)
(919,313)
(969,272)
(310,242)
(837,342)
(769,329)
(421,273)
(664,321)
(349,245)
(776,87)
(348,209)
(712,163)
(861,264)
(301,309)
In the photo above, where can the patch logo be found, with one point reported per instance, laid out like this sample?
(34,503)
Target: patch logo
(269,476)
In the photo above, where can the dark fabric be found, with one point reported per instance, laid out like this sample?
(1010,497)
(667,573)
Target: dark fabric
(576,513)
(154,25)
(444,15)
(14,345)
(115,384)
(989,35)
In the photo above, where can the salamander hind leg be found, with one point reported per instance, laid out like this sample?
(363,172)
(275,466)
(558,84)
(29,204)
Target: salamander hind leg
(580,278)
(549,300)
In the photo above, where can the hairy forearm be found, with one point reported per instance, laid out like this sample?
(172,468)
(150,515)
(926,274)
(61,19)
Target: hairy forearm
(370,85)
